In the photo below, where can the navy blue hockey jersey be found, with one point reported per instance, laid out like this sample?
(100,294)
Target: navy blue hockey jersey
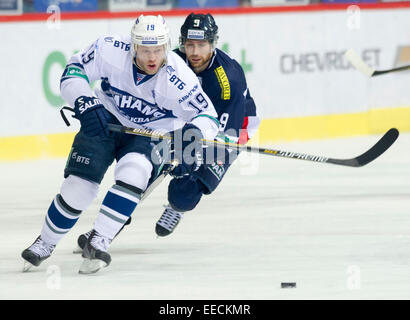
(225,84)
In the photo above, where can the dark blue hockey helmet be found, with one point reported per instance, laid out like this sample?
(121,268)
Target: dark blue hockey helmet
(199,27)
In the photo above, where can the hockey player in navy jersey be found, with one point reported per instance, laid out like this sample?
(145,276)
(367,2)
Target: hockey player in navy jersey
(143,85)
(223,80)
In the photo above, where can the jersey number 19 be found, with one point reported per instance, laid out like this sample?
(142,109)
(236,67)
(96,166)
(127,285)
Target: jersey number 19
(199,103)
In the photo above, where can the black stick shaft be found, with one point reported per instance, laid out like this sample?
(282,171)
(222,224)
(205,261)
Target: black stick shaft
(380,72)
(374,152)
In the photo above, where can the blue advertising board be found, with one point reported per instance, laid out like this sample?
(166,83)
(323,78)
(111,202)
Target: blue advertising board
(349,1)
(11,6)
(66,5)
(207,3)
(157,2)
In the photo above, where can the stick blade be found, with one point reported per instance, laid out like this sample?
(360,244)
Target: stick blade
(358,62)
(373,153)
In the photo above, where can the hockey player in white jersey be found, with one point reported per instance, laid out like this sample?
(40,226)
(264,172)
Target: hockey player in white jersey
(143,84)
(223,80)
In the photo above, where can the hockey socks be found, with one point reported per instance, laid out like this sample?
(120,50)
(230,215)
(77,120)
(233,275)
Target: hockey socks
(118,205)
(59,220)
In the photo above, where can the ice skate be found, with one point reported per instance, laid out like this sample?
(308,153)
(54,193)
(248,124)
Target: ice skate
(36,253)
(168,221)
(95,253)
(81,242)
(82,239)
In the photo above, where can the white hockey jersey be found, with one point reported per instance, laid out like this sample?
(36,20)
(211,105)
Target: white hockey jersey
(164,101)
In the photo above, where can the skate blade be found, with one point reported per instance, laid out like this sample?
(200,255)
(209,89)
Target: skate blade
(77,250)
(27,266)
(90,266)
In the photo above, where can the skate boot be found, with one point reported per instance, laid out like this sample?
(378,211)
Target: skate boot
(168,221)
(36,253)
(82,239)
(95,253)
(81,242)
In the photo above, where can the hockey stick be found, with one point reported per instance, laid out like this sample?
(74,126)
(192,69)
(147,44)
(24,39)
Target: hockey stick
(174,163)
(159,179)
(363,67)
(379,148)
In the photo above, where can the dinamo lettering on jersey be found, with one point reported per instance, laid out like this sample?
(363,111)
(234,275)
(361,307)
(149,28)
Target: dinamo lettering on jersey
(134,109)
(126,102)
(189,94)
(138,111)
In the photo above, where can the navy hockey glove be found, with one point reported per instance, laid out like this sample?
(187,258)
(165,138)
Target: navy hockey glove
(93,116)
(187,150)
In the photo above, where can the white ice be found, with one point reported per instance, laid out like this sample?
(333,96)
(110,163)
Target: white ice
(338,232)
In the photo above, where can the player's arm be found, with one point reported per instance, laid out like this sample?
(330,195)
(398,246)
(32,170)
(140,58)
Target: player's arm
(206,118)
(231,105)
(81,70)
(196,106)
(251,120)
(239,120)
(198,111)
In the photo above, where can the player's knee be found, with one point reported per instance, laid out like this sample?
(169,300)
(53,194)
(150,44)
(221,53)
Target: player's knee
(78,193)
(185,193)
(90,157)
(134,169)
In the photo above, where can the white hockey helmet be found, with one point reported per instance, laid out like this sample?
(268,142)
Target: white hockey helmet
(150,31)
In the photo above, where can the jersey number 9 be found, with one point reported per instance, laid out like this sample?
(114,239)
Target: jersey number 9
(88,55)
(223,120)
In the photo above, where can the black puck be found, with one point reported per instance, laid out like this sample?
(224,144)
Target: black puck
(284,285)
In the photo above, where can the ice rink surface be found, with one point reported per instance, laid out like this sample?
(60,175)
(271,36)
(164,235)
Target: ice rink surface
(338,232)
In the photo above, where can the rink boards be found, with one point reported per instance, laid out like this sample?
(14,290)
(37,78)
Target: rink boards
(293,60)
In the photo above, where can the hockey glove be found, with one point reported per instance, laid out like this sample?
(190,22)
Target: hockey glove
(187,147)
(93,116)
